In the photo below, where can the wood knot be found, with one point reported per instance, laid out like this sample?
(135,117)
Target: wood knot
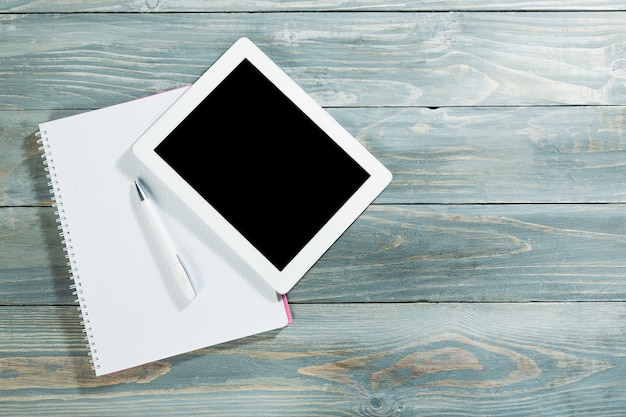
(619,68)
(376,403)
(152,4)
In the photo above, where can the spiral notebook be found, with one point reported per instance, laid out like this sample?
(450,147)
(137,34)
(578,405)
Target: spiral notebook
(131,310)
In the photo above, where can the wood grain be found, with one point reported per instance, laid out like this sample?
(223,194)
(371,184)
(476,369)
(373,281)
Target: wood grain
(475,253)
(145,6)
(496,155)
(352,359)
(72,61)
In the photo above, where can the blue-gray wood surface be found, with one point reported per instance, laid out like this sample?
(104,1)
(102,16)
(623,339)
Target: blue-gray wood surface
(489,279)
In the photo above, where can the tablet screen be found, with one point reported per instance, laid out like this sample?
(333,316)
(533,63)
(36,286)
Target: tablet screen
(262,163)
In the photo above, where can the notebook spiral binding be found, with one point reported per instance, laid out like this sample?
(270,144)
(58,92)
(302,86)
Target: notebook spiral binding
(57,203)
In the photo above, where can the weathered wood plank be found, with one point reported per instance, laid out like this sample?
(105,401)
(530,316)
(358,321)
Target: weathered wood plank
(448,155)
(475,253)
(32,259)
(59,6)
(342,59)
(397,253)
(496,155)
(336,360)
(22,175)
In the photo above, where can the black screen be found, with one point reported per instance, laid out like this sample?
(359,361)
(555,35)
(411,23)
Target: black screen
(262,163)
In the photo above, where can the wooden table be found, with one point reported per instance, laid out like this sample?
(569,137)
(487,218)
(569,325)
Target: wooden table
(489,279)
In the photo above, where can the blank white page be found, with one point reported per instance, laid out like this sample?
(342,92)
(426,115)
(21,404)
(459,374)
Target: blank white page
(134,312)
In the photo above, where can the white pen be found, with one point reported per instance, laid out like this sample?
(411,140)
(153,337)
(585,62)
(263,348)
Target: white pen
(166,244)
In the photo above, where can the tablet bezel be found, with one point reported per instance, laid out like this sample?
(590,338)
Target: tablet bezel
(281,280)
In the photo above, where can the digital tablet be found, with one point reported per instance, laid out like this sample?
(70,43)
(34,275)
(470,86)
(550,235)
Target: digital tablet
(258,160)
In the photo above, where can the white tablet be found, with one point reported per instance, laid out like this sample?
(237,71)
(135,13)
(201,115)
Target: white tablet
(262,164)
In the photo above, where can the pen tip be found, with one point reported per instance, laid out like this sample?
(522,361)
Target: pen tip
(142,194)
